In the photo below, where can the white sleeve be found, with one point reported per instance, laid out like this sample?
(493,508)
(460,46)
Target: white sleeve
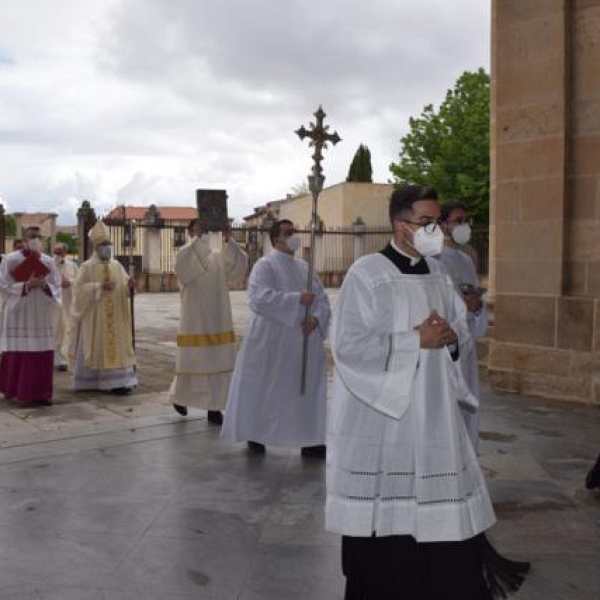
(192,261)
(377,367)
(268,302)
(235,261)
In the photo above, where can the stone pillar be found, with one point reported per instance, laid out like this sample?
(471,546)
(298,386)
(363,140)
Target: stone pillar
(151,255)
(359,229)
(545,198)
(52,230)
(86,218)
(18,225)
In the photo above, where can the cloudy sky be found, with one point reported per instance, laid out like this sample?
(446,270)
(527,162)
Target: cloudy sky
(143,101)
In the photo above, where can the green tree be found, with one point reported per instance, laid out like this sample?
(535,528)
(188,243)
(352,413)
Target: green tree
(360,168)
(450,148)
(69,240)
(10,225)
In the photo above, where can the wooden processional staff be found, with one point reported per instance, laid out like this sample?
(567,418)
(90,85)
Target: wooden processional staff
(319,137)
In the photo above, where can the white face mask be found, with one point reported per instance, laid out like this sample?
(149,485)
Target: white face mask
(293,242)
(104,252)
(461,234)
(428,244)
(35,245)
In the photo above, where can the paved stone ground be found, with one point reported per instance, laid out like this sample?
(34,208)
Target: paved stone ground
(120,498)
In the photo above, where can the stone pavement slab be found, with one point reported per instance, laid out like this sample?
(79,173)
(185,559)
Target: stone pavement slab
(120,498)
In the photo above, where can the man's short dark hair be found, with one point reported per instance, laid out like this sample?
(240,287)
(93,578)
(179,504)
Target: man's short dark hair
(448,207)
(192,224)
(404,197)
(276,229)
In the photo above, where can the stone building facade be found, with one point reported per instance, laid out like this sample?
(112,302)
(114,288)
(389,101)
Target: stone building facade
(545,209)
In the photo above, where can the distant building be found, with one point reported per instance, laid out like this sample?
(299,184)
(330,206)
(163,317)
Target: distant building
(353,221)
(149,237)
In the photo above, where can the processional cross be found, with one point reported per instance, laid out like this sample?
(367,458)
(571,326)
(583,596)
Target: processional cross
(319,137)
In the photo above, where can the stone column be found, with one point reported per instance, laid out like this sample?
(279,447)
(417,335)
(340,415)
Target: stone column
(86,217)
(151,255)
(359,229)
(545,198)
(18,225)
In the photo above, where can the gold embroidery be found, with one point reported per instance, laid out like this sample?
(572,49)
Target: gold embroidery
(108,300)
(201,340)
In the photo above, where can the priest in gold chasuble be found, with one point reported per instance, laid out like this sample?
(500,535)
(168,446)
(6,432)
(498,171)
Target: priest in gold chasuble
(101,347)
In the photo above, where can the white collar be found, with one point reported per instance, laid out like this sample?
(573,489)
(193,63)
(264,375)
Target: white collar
(413,259)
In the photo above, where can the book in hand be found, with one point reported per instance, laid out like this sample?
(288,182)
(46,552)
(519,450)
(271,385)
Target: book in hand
(32,266)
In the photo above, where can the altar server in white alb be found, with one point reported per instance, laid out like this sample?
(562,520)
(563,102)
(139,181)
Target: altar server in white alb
(404,487)
(456,225)
(68,273)
(205,338)
(265,404)
(30,285)
(101,341)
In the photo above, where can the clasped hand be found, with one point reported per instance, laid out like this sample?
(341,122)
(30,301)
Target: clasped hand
(36,283)
(435,332)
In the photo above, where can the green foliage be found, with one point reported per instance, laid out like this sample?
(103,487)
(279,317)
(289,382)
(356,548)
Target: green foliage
(10,225)
(67,238)
(300,189)
(360,169)
(450,149)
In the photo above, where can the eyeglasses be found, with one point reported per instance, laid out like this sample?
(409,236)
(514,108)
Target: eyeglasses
(460,221)
(428,226)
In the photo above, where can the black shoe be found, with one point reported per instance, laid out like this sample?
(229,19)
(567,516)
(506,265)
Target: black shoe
(61,367)
(256,447)
(120,391)
(39,403)
(215,417)
(182,410)
(314,451)
(592,479)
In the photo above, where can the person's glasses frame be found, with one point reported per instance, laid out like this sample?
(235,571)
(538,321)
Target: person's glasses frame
(428,226)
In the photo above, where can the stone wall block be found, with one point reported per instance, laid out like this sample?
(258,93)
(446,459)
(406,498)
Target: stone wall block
(513,11)
(581,195)
(585,117)
(585,364)
(527,86)
(576,275)
(596,325)
(530,122)
(593,278)
(585,153)
(541,240)
(525,319)
(574,326)
(573,389)
(531,42)
(504,380)
(531,159)
(530,359)
(528,276)
(583,239)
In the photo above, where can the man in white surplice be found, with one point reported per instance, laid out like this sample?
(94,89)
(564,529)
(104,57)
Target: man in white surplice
(265,406)
(456,225)
(62,314)
(205,337)
(401,470)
